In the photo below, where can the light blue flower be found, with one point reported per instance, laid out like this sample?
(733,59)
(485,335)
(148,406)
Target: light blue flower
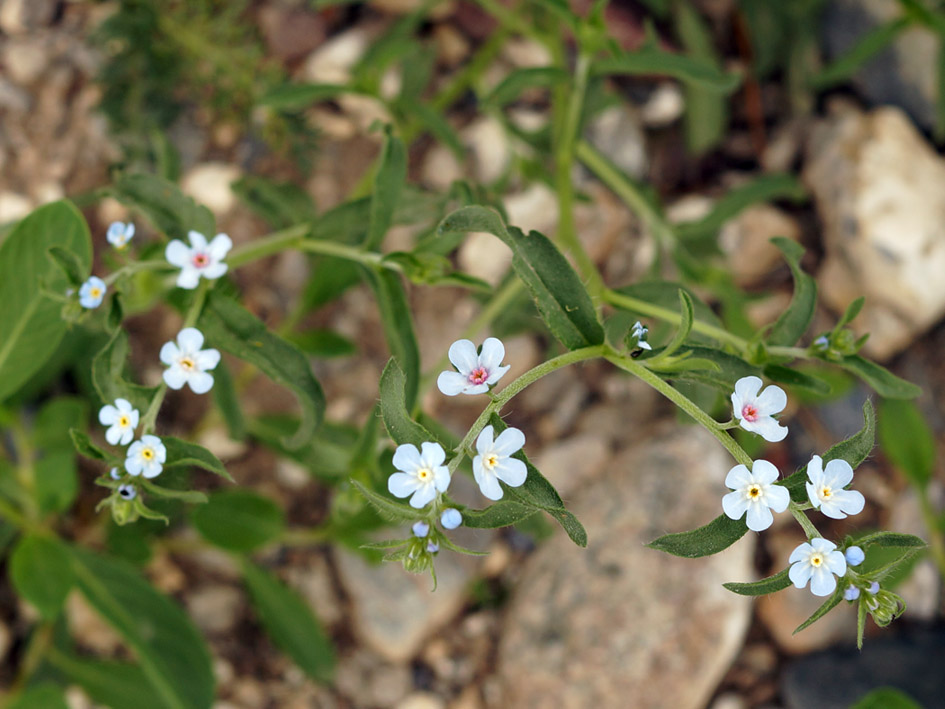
(817,562)
(874,588)
(433,547)
(146,457)
(756,493)
(119,234)
(854,556)
(639,333)
(495,463)
(825,488)
(187,363)
(121,419)
(451,518)
(851,594)
(420,476)
(92,292)
(127,492)
(755,412)
(420,529)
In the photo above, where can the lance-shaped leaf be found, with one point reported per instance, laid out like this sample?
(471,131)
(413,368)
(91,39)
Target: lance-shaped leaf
(796,378)
(108,366)
(31,325)
(41,572)
(107,682)
(562,300)
(185,453)
(883,382)
(84,446)
(520,80)
(500,514)
(162,202)
(710,539)
(387,508)
(772,584)
(682,330)
(289,97)
(239,520)
(229,326)
(661,299)
(536,492)
(652,61)
(400,426)
(894,540)
(794,321)
(168,649)
(388,183)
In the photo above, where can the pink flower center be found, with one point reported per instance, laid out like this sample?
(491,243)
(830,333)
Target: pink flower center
(750,413)
(478,375)
(200,260)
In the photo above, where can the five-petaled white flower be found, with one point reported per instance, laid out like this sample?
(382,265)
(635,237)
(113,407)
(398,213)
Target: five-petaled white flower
(756,492)
(421,474)
(754,411)
(119,234)
(92,292)
(122,420)
(198,259)
(825,488)
(146,457)
(477,372)
(639,333)
(494,462)
(187,363)
(817,562)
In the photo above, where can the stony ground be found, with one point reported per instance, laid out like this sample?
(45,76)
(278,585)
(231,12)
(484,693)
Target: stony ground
(546,625)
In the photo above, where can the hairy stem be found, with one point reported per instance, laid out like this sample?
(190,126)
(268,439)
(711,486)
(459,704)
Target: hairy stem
(268,245)
(809,529)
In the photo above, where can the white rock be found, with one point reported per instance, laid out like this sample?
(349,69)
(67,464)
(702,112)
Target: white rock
(14,206)
(536,208)
(746,241)
(664,107)
(490,147)
(210,184)
(617,133)
(877,184)
(571,463)
(25,59)
(332,62)
(526,53)
(441,168)
(215,609)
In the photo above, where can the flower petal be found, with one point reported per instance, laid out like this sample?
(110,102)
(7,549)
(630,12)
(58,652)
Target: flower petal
(214,270)
(738,477)
(126,436)
(777,497)
(200,382)
(113,435)
(402,485)
(508,442)
(431,454)
(463,356)
(197,240)
(815,469)
(800,573)
(207,359)
(812,495)
(451,383)
(800,553)
(493,352)
(771,401)
(190,340)
(152,469)
(170,353)
(133,465)
(189,277)
(850,501)
(407,457)
(512,472)
(423,496)
(489,484)
(219,247)
(764,472)
(759,517)
(175,377)
(734,504)
(837,563)
(838,474)
(769,429)
(497,373)
(441,478)
(177,253)
(485,441)
(124,406)
(107,415)
(746,389)
(476,389)
(822,582)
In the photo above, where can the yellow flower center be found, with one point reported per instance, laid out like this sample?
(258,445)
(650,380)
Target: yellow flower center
(826,492)
(754,492)
(147,453)
(124,421)
(424,475)
(491,461)
(187,363)
(816,559)
(95,292)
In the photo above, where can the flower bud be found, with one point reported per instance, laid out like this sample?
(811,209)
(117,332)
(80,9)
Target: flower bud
(124,512)
(854,556)
(851,594)
(420,529)
(451,518)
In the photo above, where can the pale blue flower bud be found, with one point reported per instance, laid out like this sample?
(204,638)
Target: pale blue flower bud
(874,588)
(851,594)
(451,518)
(421,529)
(433,547)
(854,556)
(127,492)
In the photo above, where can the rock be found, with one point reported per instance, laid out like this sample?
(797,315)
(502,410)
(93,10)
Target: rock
(904,74)
(571,463)
(746,242)
(597,626)
(333,61)
(76,698)
(783,611)
(421,700)
(87,626)
(25,59)
(366,680)
(215,609)
(441,168)
(210,184)
(19,17)
(312,580)
(729,701)
(835,679)
(290,32)
(876,184)
(618,133)
(393,610)
(491,151)
(526,53)
(920,590)
(13,207)
(664,107)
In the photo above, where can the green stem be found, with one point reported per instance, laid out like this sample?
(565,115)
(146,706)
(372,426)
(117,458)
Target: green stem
(36,649)
(136,266)
(11,514)
(809,529)
(515,387)
(352,253)
(707,422)
(936,540)
(268,245)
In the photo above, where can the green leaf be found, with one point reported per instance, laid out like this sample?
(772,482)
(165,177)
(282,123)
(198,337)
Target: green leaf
(31,325)
(906,440)
(562,300)
(893,540)
(185,453)
(239,520)
(886,698)
(229,326)
(654,61)
(795,378)
(500,514)
(290,623)
(75,271)
(683,329)
(727,370)
(295,96)
(166,207)
(397,321)
(191,497)
(401,427)
(710,539)
(883,382)
(761,189)
(794,321)
(323,344)
(827,606)
(41,696)
(228,402)
(56,481)
(772,584)
(109,683)
(388,183)
(436,125)
(387,508)
(107,367)
(706,111)
(41,572)
(538,493)
(281,204)
(168,649)
(866,47)
(853,309)
(665,296)
(52,429)
(518,81)
(84,446)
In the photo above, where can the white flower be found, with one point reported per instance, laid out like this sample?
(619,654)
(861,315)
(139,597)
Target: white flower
(187,363)
(127,492)
(122,420)
(494,462)
(421,474)
(825,488)
(477,372)
(754,411)
(451,518)
(146,457)
(854,556)
(199,259)
(119,234)
(817,562)
(755,492)
(420,529)
(92,292)
(639,333)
